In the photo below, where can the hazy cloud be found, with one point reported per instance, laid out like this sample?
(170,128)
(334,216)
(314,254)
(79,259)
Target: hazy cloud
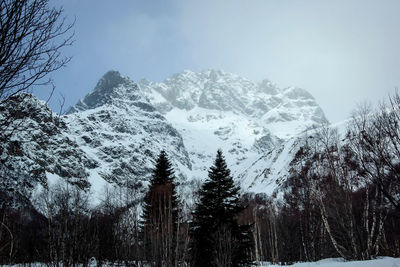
(343,52)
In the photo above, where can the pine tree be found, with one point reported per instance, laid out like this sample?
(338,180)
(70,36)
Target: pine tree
(160,215)
(218,240)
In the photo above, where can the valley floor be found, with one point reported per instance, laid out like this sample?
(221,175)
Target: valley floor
(338,262)
(335,262)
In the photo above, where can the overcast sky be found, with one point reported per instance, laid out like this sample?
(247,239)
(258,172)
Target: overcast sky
(343,52)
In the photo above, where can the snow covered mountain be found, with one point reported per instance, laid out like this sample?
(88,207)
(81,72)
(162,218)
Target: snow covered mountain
(255,124)
(113,134)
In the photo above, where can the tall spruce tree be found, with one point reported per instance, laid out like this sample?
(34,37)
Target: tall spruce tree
(160,215)
(218,239)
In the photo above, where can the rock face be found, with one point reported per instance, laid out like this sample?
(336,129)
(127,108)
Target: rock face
(115,132)
(34,143)
(119,128)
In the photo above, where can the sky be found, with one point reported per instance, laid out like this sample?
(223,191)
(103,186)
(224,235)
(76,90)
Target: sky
(344,52)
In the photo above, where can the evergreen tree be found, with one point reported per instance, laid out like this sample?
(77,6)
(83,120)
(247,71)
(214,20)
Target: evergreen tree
(160,215)
(218,240)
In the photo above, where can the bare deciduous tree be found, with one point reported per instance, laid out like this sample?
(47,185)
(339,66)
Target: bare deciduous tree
(375,138)
(32,35)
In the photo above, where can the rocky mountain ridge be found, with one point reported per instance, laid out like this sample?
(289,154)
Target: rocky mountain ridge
(113,134)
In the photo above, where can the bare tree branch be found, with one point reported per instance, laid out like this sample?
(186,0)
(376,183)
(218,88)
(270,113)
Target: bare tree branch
(32,35)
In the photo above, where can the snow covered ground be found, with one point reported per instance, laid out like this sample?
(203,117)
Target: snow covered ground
(338,262)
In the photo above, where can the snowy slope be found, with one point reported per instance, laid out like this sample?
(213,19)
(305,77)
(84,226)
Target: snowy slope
(253,123)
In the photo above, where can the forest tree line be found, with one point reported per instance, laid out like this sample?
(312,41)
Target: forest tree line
(341,199)
(342,196)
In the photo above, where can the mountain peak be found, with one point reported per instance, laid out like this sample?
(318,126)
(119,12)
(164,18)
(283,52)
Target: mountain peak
(110,80)
(112,86)
(297,93)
